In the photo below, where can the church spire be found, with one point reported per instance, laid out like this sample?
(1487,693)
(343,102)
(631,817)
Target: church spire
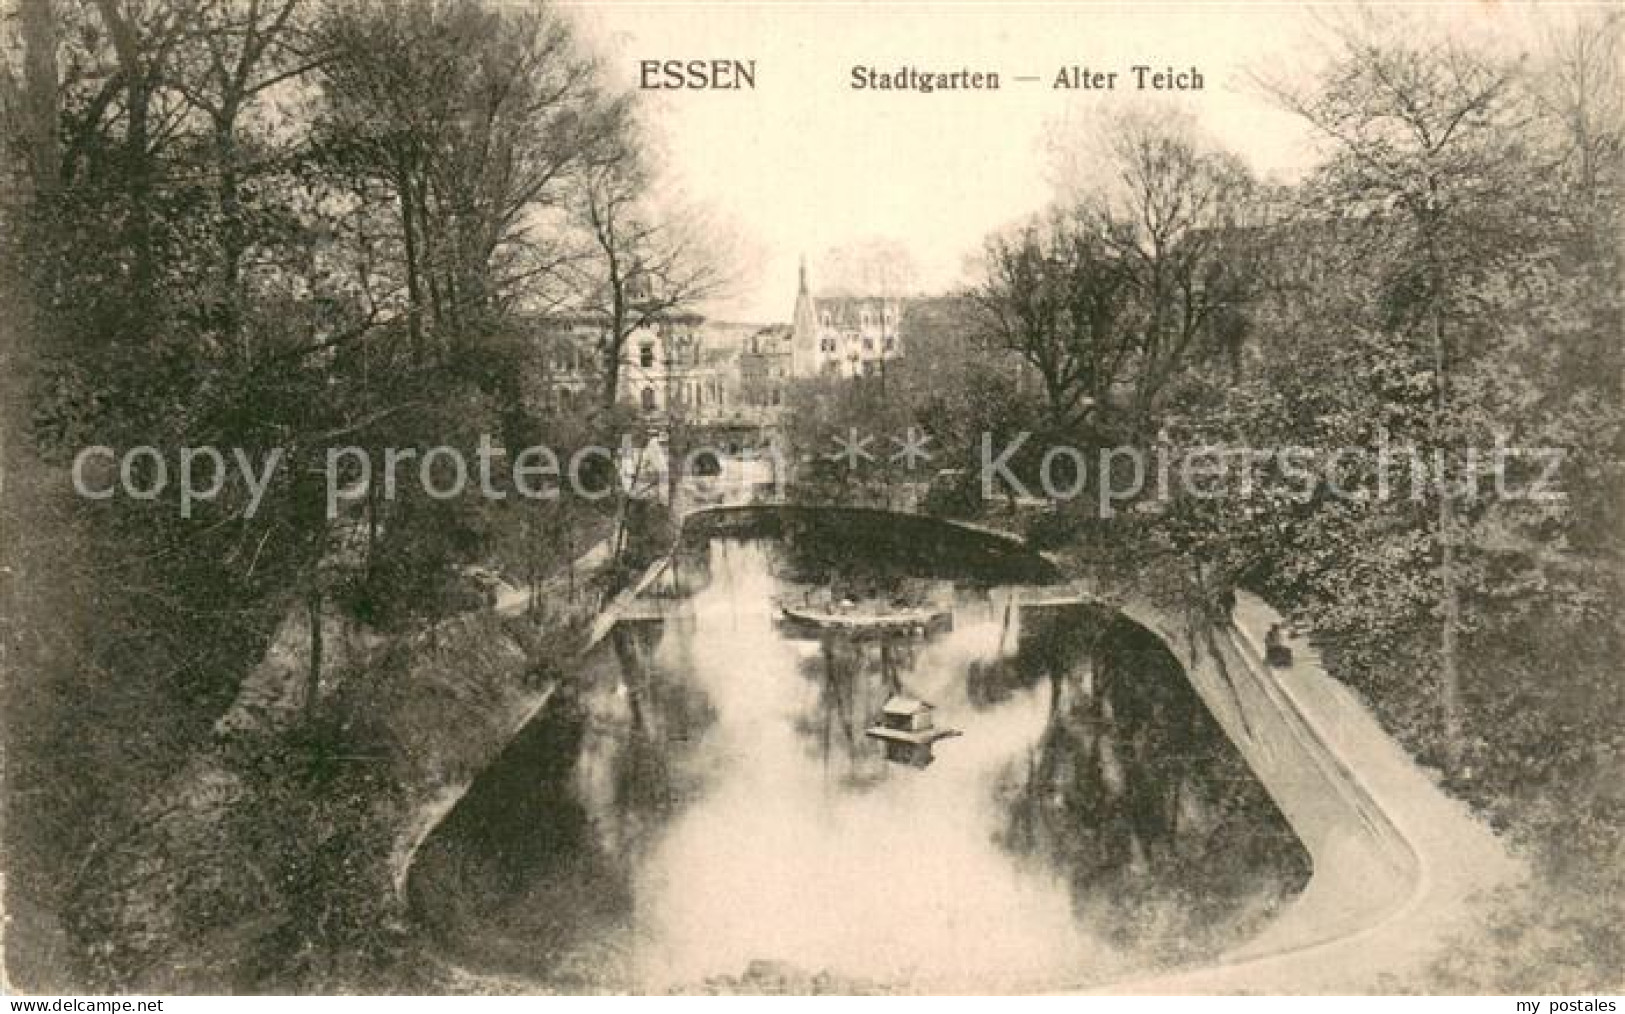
(804,333)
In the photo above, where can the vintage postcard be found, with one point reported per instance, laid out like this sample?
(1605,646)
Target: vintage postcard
(896,497)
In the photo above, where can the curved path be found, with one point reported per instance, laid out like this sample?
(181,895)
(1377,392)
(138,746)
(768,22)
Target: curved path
(1397,863)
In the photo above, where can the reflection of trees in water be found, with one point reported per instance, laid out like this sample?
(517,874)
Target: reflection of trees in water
(515,876)
(992,681)
(534,868)
(689,571)
(854,677)
(665,714)
(1165,837)
(1132,793)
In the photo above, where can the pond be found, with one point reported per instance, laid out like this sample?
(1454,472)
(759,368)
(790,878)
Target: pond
(704,807)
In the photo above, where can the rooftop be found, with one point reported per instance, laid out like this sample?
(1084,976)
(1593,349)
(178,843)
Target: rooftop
(902,704)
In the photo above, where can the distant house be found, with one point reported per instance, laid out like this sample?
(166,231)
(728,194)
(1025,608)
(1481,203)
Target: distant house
(847,336)
(561,366)
(667,369)
(766,367)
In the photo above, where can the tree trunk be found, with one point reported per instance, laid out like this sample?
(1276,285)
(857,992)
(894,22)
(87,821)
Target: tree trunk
(612,373)
(414,293)
(313,681)
(1449,590)
(43,98)
(1449,586)
(141,81)
(233,236)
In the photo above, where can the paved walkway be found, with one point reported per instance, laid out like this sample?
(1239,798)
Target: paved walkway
(1397,863)
(512,600)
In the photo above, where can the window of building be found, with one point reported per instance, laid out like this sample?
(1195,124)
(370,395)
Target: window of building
(647,399)
(890,344)
(868,345)
(646,355)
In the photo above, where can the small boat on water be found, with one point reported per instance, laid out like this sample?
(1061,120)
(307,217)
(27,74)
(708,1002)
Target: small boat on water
(909,731)
(899,621)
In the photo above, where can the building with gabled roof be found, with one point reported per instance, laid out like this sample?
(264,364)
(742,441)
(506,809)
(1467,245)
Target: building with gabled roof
(848,336)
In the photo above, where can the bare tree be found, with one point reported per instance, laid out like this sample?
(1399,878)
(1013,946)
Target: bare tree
(641,263)
(232,51)
(1579,82)
(1174,208)
(1138,275)
(41,98)
(1054,295)
(144,39)
(474,118)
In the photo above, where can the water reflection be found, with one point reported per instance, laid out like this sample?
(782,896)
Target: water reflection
(705,798)
(1169,845)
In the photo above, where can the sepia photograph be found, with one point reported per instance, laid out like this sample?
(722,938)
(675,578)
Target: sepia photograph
(924,498)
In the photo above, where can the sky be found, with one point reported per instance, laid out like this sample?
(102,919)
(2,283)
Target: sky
(803,165)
